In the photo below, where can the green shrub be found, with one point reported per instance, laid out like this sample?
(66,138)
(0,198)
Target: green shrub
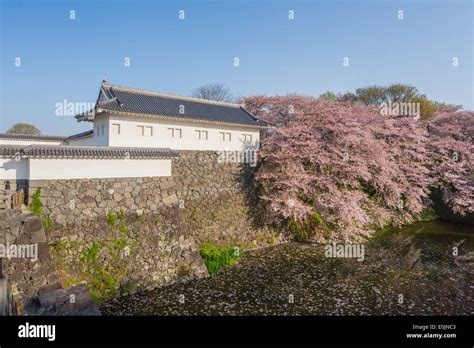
(112,220)
(121,215)
(90,255)
(216,257)
(102,285)
(48,223)
(36,206)
(304,230)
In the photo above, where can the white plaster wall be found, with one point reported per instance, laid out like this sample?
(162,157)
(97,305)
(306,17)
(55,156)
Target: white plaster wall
(87,141)
(11,169)
(98,139)
(161,138)
(48,168)
(28,142)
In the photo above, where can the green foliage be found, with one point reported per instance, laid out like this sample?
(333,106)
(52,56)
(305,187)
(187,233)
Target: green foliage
(123,229)
(36,206)
(48,223)
(90,255)
(428,215)
(119,244)
(304,230)
(102,284)
(112,220)
(396,93)
(102,274)
(216,257)
(121,215)
(427,108)
(328,96)
(23,128)
(193,212)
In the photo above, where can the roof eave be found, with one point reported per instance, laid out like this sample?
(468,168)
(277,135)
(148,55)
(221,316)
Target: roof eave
(88,115)
(173,118)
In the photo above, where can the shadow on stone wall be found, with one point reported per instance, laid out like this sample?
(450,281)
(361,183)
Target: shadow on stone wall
(124,235)
(30,273)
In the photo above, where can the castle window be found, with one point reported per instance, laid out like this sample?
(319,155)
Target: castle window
(115,128)
(201,134)
(148,131)
(247,138)
(225,136)
(175,132)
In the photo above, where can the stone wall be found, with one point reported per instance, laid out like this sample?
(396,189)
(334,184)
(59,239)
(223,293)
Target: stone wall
(195,176)
(159,223)
(27,276)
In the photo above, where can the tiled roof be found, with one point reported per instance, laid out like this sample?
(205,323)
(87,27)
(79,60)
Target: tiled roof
(84,151)
(31,137)
(81,135)
(135,101)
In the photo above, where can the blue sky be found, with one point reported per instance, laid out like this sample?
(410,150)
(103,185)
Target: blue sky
(67,59)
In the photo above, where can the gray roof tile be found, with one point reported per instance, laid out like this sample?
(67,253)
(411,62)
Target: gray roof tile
(81,135)
(128,100)
(31,137)
(85,151)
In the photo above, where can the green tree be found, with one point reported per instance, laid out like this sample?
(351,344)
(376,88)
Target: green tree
(328,96)
(395,93)
(24,128)
(427,108)
(372,95)
(398,93)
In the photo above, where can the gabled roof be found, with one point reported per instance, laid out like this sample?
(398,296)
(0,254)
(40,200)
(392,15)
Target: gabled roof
(137,102)
(32,137)
(48,151)
(81,135)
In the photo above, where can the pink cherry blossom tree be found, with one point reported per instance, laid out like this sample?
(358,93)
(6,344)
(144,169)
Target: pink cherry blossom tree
(332,166)
(451,149)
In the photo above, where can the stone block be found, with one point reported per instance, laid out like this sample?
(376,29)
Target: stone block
(68,300)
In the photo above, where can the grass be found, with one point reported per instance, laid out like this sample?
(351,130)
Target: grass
(216,257)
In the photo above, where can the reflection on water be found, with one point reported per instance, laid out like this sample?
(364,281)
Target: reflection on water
(423,269)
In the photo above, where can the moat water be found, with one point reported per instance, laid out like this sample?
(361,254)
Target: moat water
(422,269)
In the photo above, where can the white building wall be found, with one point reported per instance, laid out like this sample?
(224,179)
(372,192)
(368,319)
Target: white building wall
(101,132)
(14,170)
(50,169)
(161,135)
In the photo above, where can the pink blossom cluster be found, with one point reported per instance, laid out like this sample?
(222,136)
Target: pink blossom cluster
(452,158)
(356,169)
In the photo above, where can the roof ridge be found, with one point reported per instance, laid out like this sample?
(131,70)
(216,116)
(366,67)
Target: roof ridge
(86,151)
(32,136)
(173,96)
